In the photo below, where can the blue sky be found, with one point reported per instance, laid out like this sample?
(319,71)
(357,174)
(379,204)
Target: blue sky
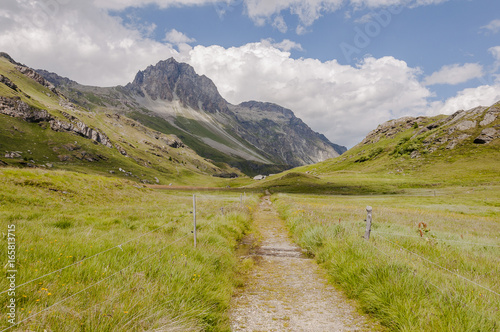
(343,66)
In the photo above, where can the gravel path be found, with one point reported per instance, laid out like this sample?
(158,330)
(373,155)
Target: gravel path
(287,291)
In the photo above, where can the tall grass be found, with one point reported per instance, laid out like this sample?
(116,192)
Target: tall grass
(156,280)
(392,275)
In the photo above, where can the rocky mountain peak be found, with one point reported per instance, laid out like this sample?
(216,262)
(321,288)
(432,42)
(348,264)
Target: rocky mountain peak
(170,80)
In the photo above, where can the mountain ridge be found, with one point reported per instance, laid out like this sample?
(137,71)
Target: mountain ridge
(189,105)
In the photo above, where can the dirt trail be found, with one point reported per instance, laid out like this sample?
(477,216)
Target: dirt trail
(287,291)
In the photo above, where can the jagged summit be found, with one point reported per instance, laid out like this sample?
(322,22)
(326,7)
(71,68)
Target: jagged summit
(169,80)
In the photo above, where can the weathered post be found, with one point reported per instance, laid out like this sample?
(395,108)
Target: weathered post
(194,219)
(241,199)
(368,222)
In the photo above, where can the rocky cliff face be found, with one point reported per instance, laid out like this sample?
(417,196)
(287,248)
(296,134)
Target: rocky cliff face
(273,131)
(169,80)
(280,133)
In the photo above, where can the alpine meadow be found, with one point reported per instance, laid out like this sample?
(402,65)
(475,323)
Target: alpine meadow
(225,166)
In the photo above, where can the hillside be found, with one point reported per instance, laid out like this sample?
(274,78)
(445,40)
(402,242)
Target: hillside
(171,98)
(422,152)
(40,127)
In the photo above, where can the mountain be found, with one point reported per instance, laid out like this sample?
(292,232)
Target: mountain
(40,127)
(412,152)
(171,98)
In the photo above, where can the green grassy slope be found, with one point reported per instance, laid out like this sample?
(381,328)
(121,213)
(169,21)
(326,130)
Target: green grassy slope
(147,158)
(406,155)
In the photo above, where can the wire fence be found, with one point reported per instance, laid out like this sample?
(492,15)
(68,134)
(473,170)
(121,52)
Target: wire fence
(105,251)
(441,267)
(119,246)
(438,239)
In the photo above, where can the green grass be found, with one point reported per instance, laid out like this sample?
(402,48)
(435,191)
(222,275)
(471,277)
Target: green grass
(155,280)
(402,290)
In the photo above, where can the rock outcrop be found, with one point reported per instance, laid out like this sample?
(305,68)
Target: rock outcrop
(37,77)
(487,135)
(8,83)
(17,108)
(449,132)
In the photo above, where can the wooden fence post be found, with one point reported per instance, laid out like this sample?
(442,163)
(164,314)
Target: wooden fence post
(368,222)
(194,219)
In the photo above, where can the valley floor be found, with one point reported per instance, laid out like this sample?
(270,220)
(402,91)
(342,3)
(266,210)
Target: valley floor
(286,291)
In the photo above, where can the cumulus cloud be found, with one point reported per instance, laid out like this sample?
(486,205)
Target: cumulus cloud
(484,95)
(343,102)
(493,26)
(175,37)
(78,41)
(455,74)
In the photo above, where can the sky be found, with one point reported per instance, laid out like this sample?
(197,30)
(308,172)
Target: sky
(342,66)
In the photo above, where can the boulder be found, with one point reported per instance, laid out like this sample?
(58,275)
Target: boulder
(462,126)
(490,117)
(13,155)
(8,82)
(487,135)
(17,108)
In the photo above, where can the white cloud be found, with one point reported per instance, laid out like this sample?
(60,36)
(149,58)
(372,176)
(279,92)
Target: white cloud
(495,51)
(455,74)
(493,26)
(79,41)
(343,102)
(175,37)
(122,4)
(279,23)
(285,45)
(485,95)
(308,11)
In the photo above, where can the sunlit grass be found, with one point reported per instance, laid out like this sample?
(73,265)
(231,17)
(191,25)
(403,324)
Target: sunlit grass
(392,275)
(74,223)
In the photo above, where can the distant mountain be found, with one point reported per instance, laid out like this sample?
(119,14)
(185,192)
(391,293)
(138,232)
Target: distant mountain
(41,128)
(170,97)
